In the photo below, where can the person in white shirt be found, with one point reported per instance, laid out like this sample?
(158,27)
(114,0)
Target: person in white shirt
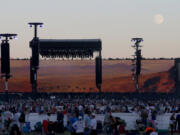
(8,117)
(80,107)
(93,125)
(153,133)
(87,121)
(79,126)
(16,118)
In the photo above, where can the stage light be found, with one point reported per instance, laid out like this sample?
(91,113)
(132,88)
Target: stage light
(35,24)
(8,36)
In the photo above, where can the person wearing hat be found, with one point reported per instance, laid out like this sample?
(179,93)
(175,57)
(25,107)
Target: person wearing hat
(79,126)
(93,125)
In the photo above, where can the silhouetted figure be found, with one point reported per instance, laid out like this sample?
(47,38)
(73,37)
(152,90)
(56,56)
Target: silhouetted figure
(178,122)
(22,120)
(15,130)
(144,116)
(172,123)
(60,120)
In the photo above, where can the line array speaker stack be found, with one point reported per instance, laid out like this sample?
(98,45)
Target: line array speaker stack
(98,72)
(177,77)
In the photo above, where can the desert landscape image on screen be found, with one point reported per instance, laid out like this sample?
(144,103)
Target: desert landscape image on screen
(79,76)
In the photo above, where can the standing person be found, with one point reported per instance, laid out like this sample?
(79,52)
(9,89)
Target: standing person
(114,125)
(153,117)
(60,121)
(72,120)
(16,118)
(22,121)
(149,129)
(15,130)
(144,116)
(79,126)
(93,125)
(172,123)
(178,122)
(87,121)
(1,123)
(8,116)
(107,123)
(154,133)
(60,116)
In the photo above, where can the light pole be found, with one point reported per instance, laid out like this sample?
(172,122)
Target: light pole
(136,62)
(34,60)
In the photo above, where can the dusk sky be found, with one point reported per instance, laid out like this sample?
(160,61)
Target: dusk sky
(115,22)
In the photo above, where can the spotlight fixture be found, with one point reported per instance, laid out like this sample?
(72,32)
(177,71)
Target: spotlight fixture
(35,24)
(8,36)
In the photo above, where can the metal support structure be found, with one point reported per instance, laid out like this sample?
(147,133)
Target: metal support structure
(56,48)
(100,83)
(34,60)
(35,24)
(5,59)
(136,62)
(177,76)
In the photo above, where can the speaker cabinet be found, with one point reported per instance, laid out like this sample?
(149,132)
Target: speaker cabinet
(177,69)
(138,62)
(34,44)
(98,72)
(5,58)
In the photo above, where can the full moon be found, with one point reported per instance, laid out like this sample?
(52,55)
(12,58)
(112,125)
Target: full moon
(158,19)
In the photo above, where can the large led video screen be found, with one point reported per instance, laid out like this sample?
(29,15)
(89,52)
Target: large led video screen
(79,76)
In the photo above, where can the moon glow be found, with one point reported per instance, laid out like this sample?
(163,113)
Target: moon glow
(158,19)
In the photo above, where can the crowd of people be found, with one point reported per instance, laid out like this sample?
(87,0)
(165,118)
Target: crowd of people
(76,114)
